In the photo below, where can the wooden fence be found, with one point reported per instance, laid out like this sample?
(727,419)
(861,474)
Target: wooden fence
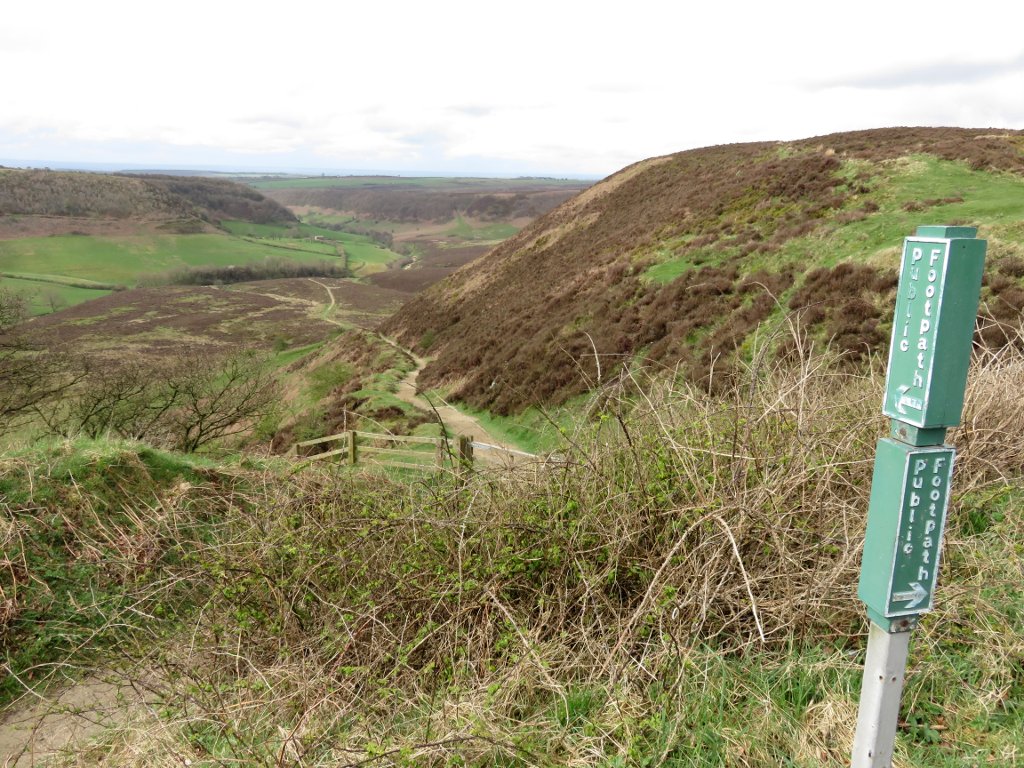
(408,452)
(401,451)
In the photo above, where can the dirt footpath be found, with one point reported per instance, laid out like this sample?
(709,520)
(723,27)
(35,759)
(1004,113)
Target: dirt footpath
(455,421)
(37,729)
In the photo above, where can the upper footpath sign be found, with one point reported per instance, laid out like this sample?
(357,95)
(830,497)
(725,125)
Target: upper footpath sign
(940,276)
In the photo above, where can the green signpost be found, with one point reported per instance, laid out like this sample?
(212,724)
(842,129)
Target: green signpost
(936,305)
(909,496)
(930,351)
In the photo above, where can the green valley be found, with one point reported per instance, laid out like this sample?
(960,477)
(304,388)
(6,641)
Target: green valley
(685,364)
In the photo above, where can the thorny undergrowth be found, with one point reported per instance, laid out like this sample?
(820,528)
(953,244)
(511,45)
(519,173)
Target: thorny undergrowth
(678,590)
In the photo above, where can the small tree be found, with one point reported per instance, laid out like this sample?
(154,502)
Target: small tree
(212,402)
(182,404)
(129,400)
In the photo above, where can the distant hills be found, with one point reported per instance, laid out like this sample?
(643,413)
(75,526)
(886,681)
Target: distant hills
(118,196)
(677,261)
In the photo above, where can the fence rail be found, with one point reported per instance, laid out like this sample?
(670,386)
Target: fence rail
(357,446)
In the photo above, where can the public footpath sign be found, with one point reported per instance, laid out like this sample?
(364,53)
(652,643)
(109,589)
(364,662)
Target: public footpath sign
(936,306)
(906,518)
(929,355)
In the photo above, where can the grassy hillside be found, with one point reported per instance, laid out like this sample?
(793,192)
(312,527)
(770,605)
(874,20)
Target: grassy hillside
(677,260)
(680,593)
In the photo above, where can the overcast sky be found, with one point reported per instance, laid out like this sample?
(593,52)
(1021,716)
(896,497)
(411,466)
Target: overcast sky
(555,88)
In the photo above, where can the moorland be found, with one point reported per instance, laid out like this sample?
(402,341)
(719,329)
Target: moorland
(693,352)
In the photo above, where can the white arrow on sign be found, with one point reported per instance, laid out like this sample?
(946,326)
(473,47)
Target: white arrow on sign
(916,595)
(904,401)
(901,392)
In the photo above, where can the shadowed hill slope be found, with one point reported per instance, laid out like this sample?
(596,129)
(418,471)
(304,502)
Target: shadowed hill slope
(677,260)
(85,195)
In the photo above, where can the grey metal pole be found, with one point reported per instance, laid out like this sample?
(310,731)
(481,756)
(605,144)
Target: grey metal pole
(884,671)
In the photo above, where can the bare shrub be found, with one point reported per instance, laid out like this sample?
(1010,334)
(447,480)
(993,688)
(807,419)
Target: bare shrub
(183,403)
(30,377)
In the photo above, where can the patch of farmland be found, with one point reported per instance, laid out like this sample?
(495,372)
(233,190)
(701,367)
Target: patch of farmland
(126,260)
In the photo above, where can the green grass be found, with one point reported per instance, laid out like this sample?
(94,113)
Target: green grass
(669,270)
(990,198)
(531,431)
(44,297)
(469,231)
(364,254)
(123,260)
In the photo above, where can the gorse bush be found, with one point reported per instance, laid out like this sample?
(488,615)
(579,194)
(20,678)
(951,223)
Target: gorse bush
(636,602)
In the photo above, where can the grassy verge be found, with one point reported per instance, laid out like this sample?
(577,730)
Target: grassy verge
(86,540)
(534,431)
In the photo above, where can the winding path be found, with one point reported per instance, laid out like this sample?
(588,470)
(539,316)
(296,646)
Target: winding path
(455,421)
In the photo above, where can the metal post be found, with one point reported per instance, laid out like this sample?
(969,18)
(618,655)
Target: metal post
(884,671)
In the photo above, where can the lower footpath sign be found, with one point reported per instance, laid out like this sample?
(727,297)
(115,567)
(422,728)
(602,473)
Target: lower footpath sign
(906,518)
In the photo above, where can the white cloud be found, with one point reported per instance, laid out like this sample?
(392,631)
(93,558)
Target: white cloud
(538,86)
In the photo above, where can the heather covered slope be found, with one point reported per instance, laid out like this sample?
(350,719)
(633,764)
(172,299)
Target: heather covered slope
(81,197)
(677,260)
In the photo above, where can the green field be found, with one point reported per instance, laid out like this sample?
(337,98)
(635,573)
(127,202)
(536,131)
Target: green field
(364,254)
(66,266)
(44,296)
(123,260)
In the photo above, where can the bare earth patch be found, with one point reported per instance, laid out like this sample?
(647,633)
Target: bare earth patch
(35,730)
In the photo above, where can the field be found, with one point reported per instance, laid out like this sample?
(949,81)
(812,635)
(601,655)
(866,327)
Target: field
(125,260)
(49,294)
(172,319)
(365,256)
(436,224)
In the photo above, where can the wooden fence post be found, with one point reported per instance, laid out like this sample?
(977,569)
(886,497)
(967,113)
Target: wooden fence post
(465,453)
(352,447)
